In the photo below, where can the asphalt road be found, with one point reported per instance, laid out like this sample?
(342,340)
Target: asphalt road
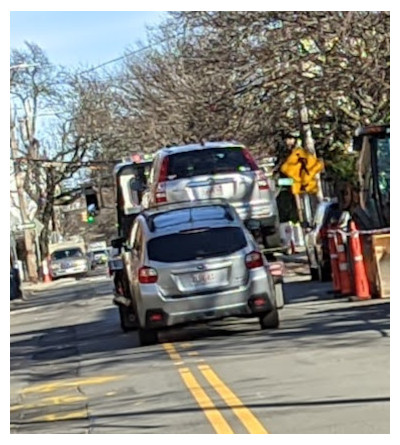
(325,370)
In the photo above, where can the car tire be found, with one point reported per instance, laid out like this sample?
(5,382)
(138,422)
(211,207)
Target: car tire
(270,320)
(127,319)
(147,337)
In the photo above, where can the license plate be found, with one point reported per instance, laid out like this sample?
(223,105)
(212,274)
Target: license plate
(215,191)
(203,278)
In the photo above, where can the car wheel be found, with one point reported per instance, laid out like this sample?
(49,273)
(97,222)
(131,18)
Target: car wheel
(127,319)
(147,337)
(270,320)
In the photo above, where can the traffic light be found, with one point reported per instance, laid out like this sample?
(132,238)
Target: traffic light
(92,205)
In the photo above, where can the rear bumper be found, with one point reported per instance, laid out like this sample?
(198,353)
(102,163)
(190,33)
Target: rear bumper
(261,211)
(230,303)
(67,273)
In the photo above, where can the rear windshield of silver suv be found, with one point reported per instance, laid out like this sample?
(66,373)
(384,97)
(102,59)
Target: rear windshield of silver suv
(196,244)
(209,161)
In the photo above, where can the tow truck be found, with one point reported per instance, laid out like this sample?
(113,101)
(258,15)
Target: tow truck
(130,177)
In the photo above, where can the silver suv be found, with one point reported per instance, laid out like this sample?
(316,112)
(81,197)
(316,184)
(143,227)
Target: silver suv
(217,170)
(194,262)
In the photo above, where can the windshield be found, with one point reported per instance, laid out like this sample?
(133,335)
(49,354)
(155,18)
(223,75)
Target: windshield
(196,244)
(209,161)
(67,253)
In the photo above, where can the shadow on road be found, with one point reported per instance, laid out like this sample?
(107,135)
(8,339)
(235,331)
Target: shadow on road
(102,339)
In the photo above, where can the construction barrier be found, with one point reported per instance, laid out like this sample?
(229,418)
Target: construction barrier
(291,236)
(346,287)
(369,254)
(361,284)
(46,270)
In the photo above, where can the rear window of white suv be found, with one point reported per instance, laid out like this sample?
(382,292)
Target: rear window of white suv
(209,161)
(196,244)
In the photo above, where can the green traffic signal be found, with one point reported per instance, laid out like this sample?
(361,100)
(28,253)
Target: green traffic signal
(90,219)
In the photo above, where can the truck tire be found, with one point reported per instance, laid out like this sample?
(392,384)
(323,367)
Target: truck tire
(270,320)
(147,337)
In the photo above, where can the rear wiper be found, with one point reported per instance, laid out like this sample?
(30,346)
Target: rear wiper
(207,255)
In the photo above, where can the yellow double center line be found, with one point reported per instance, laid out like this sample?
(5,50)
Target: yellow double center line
(214,416)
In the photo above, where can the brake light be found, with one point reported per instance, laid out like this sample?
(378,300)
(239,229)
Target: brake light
(262,180)
(161,193)
(164,170)
(147,275)
(253,260)
(249,158)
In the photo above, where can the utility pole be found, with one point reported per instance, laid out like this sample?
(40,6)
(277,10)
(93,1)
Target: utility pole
(28,237)
(308,137)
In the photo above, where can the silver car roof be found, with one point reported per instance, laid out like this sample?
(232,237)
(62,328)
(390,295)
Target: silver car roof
(162,208)
(176,218)
(205,146)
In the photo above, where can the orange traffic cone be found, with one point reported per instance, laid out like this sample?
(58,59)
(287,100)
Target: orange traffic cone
(344,272)
(334,260)
(46,271)
(361,283)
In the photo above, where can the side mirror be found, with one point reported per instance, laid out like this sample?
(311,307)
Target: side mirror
(117,243)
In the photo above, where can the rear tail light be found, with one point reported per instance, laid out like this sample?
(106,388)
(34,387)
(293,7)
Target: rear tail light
(259,301)
(147,275)
(161,193)
(253,260)
(262,180)
(249,158)
(164,170)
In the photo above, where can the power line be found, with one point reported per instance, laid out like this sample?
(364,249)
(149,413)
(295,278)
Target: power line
(132,53)
(81,163)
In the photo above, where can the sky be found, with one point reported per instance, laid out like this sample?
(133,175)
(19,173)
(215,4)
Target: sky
(81,38)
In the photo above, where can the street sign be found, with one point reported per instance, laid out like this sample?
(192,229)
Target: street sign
(302,167)
(285,181)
